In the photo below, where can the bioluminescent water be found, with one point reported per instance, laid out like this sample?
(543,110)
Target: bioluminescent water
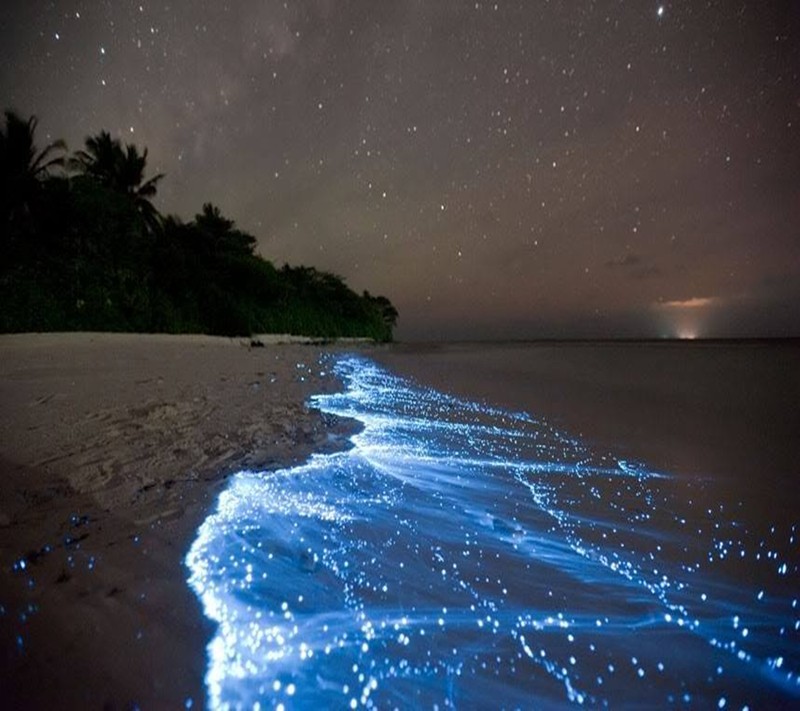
(463,556)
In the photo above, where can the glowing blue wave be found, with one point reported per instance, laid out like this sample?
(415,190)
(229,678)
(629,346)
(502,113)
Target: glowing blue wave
(460,555)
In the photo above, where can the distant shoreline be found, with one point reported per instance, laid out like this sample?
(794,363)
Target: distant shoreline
(264,339)
(296,339)
(753,341)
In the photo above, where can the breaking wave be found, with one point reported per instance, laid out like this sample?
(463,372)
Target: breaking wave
(460,555)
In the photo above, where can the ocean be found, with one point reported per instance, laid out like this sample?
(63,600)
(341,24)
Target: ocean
(521,526)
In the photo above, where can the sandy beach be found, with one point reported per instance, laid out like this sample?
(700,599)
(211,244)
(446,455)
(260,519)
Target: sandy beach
(113,450)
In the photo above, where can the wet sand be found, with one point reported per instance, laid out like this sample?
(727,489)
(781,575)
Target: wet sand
(113,448)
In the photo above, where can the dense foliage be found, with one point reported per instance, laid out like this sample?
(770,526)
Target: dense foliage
(87,250)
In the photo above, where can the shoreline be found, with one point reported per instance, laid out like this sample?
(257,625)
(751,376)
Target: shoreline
(114,450)
(446,510)
(116,446)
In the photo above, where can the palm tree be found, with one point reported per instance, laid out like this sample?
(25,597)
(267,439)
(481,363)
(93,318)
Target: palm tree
(122,170)
(100,159)
(385,308)
(221,234)
(22,167)
(212,222)
(131,173)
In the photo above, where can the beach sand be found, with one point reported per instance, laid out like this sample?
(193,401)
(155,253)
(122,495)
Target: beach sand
(113,449)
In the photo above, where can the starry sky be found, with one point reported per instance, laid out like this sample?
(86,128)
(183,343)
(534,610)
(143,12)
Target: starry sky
(530,169)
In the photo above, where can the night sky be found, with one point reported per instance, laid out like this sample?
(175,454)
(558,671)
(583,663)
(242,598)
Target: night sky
(497,169)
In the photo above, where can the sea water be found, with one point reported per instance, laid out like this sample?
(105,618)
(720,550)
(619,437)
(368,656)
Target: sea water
(464,556)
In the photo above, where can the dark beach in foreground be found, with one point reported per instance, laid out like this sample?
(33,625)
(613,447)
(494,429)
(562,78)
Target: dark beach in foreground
(114,448)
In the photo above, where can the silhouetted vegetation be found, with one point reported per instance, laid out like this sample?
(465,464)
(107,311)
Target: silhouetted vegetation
(83,248)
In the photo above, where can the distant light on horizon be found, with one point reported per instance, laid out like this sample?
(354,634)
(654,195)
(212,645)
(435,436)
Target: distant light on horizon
(687,326)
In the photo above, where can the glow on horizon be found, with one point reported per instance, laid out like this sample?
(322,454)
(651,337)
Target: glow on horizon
(696,302)
(687,318)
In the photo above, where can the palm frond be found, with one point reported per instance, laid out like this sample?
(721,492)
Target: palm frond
(41,165)
(148,189)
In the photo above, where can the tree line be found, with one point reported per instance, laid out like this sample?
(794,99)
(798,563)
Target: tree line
(84,248)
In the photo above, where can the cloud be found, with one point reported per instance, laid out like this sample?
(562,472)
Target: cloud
(696,302)
(626,260)
(646,272)
(634,266)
